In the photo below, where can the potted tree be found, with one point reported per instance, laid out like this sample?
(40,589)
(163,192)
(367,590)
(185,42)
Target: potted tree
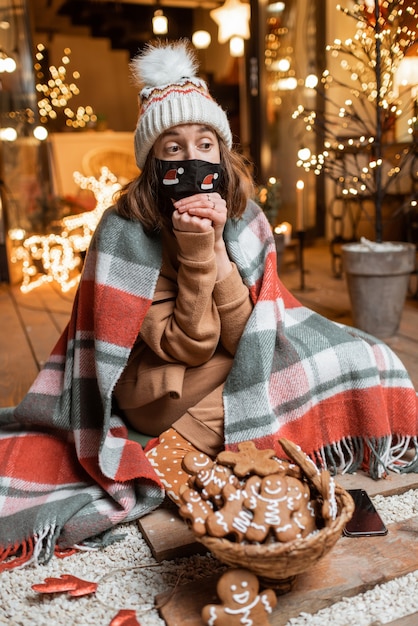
(362,154)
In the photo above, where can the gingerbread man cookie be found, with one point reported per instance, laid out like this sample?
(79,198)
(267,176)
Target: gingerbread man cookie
(238,590)
(207,476)
(232,518)
(282,506)
(212,481)
(195,510)
(195,461)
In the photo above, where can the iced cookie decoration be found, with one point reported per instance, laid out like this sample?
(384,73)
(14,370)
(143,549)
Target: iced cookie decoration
(241,602)
(232,519)
(251,496)
(196,510)
(281,506)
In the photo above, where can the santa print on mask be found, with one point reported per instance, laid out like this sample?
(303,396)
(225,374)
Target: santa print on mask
(180,179)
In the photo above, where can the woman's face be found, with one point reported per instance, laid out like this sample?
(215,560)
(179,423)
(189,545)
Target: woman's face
(186,142)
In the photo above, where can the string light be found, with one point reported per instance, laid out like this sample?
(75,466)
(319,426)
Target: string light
(56,92)
(201,39)
(159,23)
(7,63)
(58,257)
(349,129)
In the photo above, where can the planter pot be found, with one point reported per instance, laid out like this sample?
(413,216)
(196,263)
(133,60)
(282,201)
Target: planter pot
(377,278)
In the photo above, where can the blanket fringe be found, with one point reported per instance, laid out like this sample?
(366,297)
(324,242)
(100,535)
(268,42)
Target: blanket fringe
(375,456)
(17,555)
(36,549)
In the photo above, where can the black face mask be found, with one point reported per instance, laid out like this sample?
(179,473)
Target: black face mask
(180,179)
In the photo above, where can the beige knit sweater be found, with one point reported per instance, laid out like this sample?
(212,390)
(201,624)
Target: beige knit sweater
(175,374)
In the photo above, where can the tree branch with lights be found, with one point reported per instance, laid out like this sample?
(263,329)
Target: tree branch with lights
(360,152)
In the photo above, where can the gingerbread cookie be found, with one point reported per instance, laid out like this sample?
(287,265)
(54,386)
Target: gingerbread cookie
(274,508)
(238,590)
(232,518)
(211,482)
(195,461)
(251,460)
(195,510)
(248,504)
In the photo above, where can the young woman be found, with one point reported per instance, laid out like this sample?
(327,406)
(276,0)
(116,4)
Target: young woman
(182,331)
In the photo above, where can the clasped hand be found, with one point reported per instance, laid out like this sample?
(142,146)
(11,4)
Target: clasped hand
(200,213)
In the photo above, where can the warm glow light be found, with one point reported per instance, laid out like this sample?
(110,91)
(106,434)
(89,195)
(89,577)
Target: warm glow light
(304,154)
(286,84)
(8,134)
(159,23)
(7,64)
(276,7)
(311,81)
(60,255)
(236,47)
(407,72)
(282,65)
(55,93)
(232,19)
(40,132)
(201,39)
(285,229)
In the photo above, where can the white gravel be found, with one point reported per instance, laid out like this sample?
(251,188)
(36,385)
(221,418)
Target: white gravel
(129,578)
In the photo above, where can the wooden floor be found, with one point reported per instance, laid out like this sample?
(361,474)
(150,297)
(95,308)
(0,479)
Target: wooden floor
(31,323)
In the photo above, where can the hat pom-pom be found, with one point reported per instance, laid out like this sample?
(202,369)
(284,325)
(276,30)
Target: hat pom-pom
(164,64)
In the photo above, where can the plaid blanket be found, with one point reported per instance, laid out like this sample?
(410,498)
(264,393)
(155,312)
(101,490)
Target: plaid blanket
(68,472)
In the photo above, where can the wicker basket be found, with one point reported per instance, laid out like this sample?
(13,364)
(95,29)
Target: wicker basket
(276,564)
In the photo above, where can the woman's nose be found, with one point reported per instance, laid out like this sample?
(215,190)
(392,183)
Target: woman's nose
(191,153)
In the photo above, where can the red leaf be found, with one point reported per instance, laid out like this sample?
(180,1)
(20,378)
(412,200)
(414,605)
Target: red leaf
(73,585)
(125,617)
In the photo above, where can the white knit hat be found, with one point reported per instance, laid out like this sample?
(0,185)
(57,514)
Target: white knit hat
(172,94)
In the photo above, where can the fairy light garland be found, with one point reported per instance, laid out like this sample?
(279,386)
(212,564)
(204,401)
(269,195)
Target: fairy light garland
(59,257)
(348,129)
(56,91)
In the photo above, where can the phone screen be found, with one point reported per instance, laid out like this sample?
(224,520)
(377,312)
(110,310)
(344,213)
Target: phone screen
(366,521)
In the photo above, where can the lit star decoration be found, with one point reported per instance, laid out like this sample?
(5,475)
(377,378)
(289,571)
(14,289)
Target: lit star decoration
(58,257)
(232,19)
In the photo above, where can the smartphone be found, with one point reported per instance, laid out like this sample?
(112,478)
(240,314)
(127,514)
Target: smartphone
(366,521)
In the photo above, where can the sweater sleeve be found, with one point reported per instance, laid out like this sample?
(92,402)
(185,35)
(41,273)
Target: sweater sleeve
(234,305)
(187,328)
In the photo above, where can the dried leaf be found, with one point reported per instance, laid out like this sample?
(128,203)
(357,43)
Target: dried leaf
(66,583)
(125,617)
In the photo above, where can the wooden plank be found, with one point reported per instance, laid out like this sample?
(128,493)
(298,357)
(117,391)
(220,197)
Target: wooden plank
(393,484)
(168,535)
(57,303)
(42,333)
(351,567)
(17,364)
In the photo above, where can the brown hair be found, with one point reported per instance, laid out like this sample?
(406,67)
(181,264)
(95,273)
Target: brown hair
(139,201)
